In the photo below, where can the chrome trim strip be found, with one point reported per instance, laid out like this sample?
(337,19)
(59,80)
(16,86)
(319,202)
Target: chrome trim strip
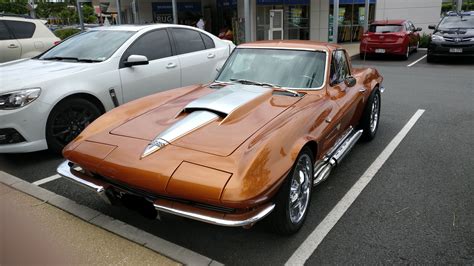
(279,48)
(217,221)
(66,171)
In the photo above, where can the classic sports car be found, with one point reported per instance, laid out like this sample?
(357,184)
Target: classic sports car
(279,117)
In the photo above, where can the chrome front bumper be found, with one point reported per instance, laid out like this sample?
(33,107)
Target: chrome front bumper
(68,170)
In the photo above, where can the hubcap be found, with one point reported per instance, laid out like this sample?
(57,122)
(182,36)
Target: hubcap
(69,124)
(300,189)
(374,114)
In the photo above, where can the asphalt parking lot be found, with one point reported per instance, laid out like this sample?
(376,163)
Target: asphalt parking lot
(418,208)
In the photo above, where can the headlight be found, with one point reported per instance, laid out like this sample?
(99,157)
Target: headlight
(437,38)
(17,99)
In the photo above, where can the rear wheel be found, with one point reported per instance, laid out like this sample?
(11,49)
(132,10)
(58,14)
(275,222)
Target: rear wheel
(407,54)
(293,199)
(67,120)
(370,118)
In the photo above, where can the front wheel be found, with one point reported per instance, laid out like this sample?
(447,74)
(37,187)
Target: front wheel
(293,199)
(67,120)
(370,118)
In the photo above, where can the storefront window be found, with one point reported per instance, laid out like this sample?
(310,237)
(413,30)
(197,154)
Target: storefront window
(295,19)
(351,19)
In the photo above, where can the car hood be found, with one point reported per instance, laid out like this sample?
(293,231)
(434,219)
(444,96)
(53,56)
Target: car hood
(29,73)
(215,121)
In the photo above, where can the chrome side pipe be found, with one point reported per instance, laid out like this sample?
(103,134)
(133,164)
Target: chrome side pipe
(322,168)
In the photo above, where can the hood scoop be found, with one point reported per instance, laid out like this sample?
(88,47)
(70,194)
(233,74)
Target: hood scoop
(225,101)
(207,109)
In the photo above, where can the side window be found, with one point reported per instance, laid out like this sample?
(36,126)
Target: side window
(4,33)
(188,41)
(208,42)
(20,29)
(154,45)
(412,27)
(339,67)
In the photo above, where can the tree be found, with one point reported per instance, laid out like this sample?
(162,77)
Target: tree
(16,7)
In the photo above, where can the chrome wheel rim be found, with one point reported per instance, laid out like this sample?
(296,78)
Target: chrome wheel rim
(374,114)
(300,188)
(408,51)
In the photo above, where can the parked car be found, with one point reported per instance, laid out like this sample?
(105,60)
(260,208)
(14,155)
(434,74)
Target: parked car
(24,38)
(453,36)
(278,118)
(396,37)
(46,101)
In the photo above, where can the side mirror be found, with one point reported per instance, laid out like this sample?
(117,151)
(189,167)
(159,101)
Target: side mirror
(136,60)
(432,27)
(419,29)
(350,81)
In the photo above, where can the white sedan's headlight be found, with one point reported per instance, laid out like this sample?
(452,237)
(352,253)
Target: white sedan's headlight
(19,98)
(437,38)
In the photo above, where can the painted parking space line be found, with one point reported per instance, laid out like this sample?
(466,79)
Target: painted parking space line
(414,63)
(312,242)
(46,180)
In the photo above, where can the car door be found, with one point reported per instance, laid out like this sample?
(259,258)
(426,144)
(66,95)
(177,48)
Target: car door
(349,99)
(198,56)
(411,34)
(10,48)
(162,72)
(23,31)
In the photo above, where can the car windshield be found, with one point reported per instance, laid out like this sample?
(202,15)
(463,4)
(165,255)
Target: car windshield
(457,22)
(89,46)
(284,68)
(385,28)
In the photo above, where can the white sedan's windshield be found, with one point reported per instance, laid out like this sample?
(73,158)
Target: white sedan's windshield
(285,68)
(92,46)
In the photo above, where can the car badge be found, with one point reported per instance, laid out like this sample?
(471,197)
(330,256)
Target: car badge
(382,37)
(154,146)
(457,39)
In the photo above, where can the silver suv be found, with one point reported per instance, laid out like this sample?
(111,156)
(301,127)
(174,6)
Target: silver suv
(23,38)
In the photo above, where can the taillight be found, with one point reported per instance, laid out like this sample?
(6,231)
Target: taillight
(56,42)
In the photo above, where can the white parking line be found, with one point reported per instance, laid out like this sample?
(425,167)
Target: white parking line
(46,180)
(412,64)
(312,242)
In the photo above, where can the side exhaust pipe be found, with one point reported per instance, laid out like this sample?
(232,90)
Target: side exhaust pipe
(322,168)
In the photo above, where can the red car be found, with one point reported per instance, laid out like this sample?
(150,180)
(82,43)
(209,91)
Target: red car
(396,37)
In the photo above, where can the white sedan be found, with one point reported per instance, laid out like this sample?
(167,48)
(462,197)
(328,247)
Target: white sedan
(45,102)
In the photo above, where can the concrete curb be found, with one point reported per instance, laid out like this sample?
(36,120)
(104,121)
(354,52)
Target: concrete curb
(159,245)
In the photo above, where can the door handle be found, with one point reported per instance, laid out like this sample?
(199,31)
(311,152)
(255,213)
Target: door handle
(12,46)
(171,65)
(211,55)
(362,90)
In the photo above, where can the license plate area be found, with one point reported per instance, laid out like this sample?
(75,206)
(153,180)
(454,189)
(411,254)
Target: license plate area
(136,203)
(455,50)
(380,51)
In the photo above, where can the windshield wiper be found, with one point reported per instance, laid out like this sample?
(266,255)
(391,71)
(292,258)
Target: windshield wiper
(266,84)
(72,58)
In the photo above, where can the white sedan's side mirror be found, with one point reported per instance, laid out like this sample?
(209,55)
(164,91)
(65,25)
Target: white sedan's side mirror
(136,60)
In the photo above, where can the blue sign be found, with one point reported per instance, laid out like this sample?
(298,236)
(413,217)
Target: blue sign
(227,3)
(282,2)
(164,7)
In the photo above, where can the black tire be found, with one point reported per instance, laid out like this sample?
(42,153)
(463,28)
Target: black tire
(407,55)
(67,119)
(366,122)
(280,219)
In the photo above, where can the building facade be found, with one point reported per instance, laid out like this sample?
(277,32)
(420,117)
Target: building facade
(281,19)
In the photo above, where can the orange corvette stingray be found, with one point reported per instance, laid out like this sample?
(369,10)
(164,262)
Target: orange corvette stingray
(278,118)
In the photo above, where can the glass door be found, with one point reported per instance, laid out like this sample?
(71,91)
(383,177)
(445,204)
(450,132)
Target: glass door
(276,25)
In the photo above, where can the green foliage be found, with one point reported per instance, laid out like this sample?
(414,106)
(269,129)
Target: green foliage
(15,7)
(88,13)
(64,33)
(425,40)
